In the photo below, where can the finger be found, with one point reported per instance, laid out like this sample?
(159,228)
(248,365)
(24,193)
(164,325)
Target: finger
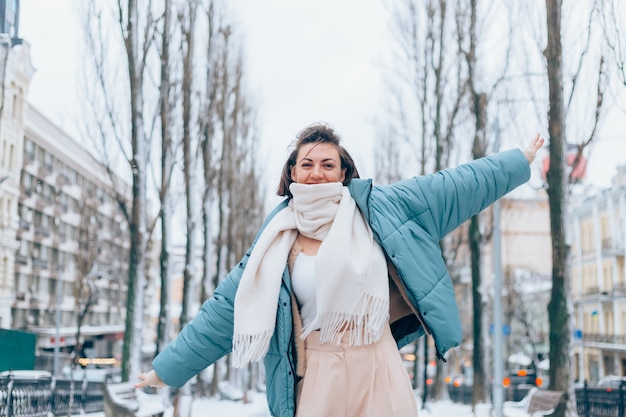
(537,142)
(540,142)
(143,381)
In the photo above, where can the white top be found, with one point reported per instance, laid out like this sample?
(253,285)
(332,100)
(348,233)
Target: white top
(303,283)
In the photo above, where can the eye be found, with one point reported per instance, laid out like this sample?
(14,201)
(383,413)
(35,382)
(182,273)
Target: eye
(329,166)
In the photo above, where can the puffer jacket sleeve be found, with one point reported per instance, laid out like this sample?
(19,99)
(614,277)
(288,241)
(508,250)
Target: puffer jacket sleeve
(209,335)
(454,195)
(205,339)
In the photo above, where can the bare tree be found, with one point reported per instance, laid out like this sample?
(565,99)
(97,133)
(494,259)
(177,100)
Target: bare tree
(166,115)
(207,132)
(471,25)
(187,19)
(428,97)
(558,308)
(127,133)
(86,293)
(230,171)
(613,17)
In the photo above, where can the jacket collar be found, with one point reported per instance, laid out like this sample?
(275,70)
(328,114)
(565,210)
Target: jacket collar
(360,190)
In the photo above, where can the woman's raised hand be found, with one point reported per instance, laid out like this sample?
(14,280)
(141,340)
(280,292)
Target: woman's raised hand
(150,379)
(533,147)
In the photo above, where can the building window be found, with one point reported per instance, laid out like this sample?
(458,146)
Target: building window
(47,160)
(23,248)
(52,290)
(19,319)
(21,284)
(17,105)
(27,182)
(29,149)
(43,285)
(11,157)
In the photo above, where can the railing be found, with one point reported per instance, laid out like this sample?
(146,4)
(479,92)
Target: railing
(616,339)
(45,397)
(590,402)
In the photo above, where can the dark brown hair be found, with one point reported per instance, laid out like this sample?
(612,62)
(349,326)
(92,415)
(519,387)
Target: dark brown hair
(315,133)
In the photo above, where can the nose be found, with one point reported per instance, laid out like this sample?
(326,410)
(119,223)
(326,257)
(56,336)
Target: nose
(317,172)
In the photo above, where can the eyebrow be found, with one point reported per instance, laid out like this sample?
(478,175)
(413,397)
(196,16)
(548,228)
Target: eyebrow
(323,160)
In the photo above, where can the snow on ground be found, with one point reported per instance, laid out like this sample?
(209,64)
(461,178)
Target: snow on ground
(257,407)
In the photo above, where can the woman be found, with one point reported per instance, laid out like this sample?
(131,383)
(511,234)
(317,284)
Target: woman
(341,275)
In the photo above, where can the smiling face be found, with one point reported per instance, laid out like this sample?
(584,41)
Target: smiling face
(318,163)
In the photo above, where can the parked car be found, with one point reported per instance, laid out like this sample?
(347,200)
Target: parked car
(460,380)
(26,375)
(523,377)
(611,382)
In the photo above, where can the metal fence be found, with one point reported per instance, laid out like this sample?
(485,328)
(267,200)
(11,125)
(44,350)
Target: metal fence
(43,397)
(590,402)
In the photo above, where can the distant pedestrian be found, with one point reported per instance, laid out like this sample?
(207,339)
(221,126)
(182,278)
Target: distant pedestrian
(341,275)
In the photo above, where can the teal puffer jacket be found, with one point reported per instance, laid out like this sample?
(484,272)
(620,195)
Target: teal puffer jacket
(408,218)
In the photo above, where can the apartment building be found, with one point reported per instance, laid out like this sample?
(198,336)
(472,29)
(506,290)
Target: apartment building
(16,72)
(598,279)
(72,244)
(63,240)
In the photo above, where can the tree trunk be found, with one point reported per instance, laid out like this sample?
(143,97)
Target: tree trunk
(131,353)
(163,327)
(188,30)
(558,308)
(479,391)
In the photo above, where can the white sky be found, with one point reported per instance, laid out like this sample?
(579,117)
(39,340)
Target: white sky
(315,62)
(310,60)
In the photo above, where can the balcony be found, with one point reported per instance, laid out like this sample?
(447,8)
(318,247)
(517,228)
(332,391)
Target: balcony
(41,231)
(590,291)
(40,264)
(612,339)
(611,247)
(619,290)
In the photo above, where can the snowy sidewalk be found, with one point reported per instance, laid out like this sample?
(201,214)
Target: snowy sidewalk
(257,407)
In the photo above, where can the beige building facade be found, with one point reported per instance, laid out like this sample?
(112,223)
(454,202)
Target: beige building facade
(598,280)
(526,265)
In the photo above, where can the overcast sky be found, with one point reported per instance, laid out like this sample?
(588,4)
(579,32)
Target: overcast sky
(308,61)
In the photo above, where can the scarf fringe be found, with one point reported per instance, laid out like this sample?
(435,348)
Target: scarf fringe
(366,326)
(250,348)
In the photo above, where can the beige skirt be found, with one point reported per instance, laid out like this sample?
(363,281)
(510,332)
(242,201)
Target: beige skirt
(354,381)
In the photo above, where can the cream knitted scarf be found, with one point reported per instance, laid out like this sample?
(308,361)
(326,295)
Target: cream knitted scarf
(351,273)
